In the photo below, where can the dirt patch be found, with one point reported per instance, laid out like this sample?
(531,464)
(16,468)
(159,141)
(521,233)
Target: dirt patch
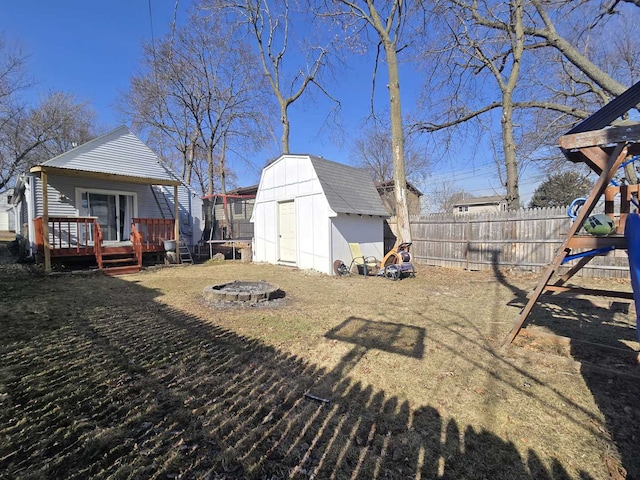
(135,377)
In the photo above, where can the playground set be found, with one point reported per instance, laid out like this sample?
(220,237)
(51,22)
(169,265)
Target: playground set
(605,147)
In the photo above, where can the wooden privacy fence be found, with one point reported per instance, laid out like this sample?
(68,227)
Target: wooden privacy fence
(524,240)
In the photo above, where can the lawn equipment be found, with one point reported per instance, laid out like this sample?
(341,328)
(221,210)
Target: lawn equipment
(396,264)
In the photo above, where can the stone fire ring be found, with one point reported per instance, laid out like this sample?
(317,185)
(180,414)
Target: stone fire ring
(240,291)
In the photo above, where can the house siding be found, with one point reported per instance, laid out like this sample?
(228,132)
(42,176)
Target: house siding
(389,199)
(190,210)
(365,230)
(7,220)
(63,201)
(117,152)
(240,212)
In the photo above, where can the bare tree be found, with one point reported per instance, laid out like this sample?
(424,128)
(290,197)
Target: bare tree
(163,102)
(545,31)
(200,93)
(269,24)
(32,135)
(372,150)
(387,22)
(233,104)
(13,75)
(560,84)
(444,195)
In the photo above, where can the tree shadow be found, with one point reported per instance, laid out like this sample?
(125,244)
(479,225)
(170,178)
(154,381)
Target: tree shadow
(126,387)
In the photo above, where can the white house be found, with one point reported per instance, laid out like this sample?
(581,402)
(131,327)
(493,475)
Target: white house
(111,188)
(7,215)
(308,209)
(480,205)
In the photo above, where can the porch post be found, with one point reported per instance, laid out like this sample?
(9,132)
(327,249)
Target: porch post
(45,222)
(176,216)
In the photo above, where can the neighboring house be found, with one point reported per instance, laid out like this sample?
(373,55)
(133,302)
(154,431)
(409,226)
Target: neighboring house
(480,205)
(236,223)
(387,193)
(308,209)
(7,214)
(110,198)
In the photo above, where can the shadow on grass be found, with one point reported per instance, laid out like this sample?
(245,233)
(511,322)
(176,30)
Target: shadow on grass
(124,387)
(406,340)
(587,324)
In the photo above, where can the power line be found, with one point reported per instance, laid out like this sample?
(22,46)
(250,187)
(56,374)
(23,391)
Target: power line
(458,174)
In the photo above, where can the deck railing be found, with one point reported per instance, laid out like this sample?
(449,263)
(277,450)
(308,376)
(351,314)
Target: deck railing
(73,234)
(136,239)
(97,235)
(154,231)
(79,236)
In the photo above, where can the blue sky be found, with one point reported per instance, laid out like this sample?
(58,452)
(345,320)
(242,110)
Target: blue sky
(92,48)
(84,47)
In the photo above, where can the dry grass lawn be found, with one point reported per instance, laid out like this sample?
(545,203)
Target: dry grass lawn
(135,377)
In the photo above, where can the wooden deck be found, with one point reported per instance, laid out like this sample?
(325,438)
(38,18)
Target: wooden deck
(81,237)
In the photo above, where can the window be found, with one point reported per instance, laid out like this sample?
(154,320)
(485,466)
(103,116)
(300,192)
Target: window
(463,208)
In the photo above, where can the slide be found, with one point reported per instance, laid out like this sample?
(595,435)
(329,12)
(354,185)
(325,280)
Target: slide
(632,233)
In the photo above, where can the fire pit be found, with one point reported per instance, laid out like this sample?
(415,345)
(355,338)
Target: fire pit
(240,292)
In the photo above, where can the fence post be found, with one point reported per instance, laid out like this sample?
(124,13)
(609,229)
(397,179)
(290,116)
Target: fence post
(467,237)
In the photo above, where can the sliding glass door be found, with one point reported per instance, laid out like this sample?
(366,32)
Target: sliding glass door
(114,212)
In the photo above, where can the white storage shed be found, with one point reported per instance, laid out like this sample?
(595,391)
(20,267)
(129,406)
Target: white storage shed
(308,209)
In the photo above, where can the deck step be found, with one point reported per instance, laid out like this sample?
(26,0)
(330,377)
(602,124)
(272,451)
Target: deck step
(122,270)
(114,261)
(119,264)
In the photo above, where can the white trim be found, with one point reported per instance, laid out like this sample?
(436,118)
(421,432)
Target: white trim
(295,232)
(80,190)
(103,191)
(30,194)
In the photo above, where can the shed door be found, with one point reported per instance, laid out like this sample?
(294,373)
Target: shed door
(287,232)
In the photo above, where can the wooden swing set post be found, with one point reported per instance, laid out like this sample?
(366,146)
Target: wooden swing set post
(603,151)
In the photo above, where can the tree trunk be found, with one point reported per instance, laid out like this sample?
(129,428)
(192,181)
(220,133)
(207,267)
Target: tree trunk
(509,150)
(189,165)
(210,171)
(191,154)
(397,145)
(284,119)
(403,230)
(223,187)
(508,140)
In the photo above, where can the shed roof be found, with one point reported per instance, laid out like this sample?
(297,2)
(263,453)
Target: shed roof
(348,189)
(118,154)
(388,185)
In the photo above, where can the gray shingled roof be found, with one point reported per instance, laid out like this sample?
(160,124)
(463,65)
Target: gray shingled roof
(348,189)
(118,152)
